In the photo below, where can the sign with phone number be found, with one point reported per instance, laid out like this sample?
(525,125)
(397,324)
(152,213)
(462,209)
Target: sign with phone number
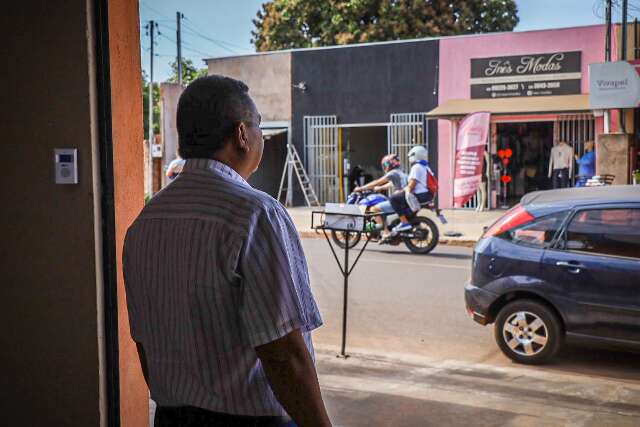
(526,75)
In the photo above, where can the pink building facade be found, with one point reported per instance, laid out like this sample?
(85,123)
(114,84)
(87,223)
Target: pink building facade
(528,129)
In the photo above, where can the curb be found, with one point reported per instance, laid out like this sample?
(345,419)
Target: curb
(310,234)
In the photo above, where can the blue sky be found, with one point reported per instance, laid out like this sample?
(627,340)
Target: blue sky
(223,27)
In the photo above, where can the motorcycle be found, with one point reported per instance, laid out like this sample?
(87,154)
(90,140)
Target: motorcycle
(421,239)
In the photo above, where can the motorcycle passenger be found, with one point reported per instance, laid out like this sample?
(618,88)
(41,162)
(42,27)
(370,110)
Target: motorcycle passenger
(394,179)
(418,186)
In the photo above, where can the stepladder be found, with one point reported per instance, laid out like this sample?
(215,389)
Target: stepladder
(293,165)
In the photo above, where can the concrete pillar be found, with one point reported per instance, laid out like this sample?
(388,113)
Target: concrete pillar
(613,156)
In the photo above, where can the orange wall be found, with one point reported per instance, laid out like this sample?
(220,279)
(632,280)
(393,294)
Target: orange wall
(126,104)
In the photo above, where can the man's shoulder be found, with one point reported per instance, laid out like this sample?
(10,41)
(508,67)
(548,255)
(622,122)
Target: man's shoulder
(209,194)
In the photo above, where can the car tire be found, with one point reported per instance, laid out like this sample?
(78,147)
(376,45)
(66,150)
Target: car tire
(528,332)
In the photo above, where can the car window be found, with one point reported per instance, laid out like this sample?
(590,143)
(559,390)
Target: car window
(605,231)
(539,232)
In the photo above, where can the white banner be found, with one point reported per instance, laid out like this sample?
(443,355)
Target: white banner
(471,140)
(613,85)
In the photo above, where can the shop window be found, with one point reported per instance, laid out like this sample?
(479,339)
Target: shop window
(606,231)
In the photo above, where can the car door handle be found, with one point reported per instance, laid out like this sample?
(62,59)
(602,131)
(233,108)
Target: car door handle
(572,266)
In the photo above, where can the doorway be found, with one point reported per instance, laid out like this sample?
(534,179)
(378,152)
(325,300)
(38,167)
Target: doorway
(529,145)
(363,149)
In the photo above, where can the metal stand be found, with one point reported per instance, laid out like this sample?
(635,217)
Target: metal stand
(345,269)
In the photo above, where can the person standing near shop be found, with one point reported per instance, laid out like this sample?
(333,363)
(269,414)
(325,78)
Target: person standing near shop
(561,165)
(586,164)
(218,292)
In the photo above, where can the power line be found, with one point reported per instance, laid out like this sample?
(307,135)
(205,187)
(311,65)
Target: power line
(198,32)
(154,10)
(214,41)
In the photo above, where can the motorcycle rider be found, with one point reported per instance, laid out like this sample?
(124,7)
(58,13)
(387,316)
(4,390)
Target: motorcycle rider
(421,179)
(394,179)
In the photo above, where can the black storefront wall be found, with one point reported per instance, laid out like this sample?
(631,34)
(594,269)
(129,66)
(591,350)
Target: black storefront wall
(365,84)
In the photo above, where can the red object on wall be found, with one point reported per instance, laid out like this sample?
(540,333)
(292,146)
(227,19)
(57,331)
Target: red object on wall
(505,178)
(501,154)
(505,161)
(508,153)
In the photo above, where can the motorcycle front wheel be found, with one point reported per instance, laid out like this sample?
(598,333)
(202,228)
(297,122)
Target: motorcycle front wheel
(340,238)
(425,236)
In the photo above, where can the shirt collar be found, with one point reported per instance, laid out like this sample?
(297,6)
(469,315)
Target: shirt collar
(214,166)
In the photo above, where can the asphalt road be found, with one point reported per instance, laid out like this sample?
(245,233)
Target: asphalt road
(418,359)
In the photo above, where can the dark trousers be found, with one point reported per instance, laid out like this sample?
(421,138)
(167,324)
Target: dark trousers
(189,416)
(560,178)
(399,202)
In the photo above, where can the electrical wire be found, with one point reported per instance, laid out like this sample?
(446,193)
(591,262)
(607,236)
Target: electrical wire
(191,26)
(154,10)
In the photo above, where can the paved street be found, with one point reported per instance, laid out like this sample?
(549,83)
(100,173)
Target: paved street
(418,360)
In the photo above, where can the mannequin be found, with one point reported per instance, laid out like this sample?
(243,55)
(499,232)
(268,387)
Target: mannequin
(561,165)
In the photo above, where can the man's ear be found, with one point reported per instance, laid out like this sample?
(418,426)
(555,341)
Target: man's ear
(242,139)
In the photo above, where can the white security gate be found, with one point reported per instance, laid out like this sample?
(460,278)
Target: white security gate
(405,131)
(576,129)
(323,156)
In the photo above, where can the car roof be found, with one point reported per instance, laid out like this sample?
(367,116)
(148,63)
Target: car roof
(544,202)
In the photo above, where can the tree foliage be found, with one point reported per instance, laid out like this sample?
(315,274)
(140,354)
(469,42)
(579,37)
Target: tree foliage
(189,71)
(287,24)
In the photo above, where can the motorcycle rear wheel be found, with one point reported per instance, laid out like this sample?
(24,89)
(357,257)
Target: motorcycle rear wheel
(426,235)
(339,238)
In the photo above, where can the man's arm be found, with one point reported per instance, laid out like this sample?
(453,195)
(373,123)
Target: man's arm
(372,184)
(292,375)
(383,187)
(412,184)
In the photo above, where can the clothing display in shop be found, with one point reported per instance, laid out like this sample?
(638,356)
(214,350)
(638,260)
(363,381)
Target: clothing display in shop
(561,165)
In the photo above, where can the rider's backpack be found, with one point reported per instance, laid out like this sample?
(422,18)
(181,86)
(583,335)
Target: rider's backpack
(432,182)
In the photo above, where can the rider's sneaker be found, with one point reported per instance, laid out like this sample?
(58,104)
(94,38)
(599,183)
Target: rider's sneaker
(385,239)
(403,226)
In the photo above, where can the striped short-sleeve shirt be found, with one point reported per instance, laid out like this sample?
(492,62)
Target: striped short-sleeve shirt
(214,268)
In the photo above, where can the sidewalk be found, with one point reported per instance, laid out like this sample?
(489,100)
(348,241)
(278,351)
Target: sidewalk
(375,388)
(468,223)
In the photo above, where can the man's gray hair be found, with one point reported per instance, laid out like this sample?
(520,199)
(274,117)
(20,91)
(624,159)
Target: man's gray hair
(209,110)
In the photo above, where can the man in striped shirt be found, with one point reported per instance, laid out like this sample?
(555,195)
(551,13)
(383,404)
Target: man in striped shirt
(217,282)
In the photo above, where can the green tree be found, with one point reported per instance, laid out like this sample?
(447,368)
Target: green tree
(145,106)
(286,24)
(189,71)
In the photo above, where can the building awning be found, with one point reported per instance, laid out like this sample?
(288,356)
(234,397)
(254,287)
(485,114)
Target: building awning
(534,104)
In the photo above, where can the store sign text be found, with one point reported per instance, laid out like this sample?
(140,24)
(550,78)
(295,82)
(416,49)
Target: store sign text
(546,74)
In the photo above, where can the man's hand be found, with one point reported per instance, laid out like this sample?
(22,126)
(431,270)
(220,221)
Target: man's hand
(293,379)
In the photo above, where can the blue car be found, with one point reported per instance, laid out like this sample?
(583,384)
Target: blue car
(561,265)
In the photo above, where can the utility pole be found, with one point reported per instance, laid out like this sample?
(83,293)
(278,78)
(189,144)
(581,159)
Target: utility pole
(151,32)
(607,49)
(149,178)
(179,17)
(623,118)
(607,58)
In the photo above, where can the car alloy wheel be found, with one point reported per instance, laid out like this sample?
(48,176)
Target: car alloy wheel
(528,331)
(525,333)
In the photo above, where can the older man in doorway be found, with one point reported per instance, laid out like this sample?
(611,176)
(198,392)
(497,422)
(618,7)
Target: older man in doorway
(217,282)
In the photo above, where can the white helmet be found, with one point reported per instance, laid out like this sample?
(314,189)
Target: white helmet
(418,153)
